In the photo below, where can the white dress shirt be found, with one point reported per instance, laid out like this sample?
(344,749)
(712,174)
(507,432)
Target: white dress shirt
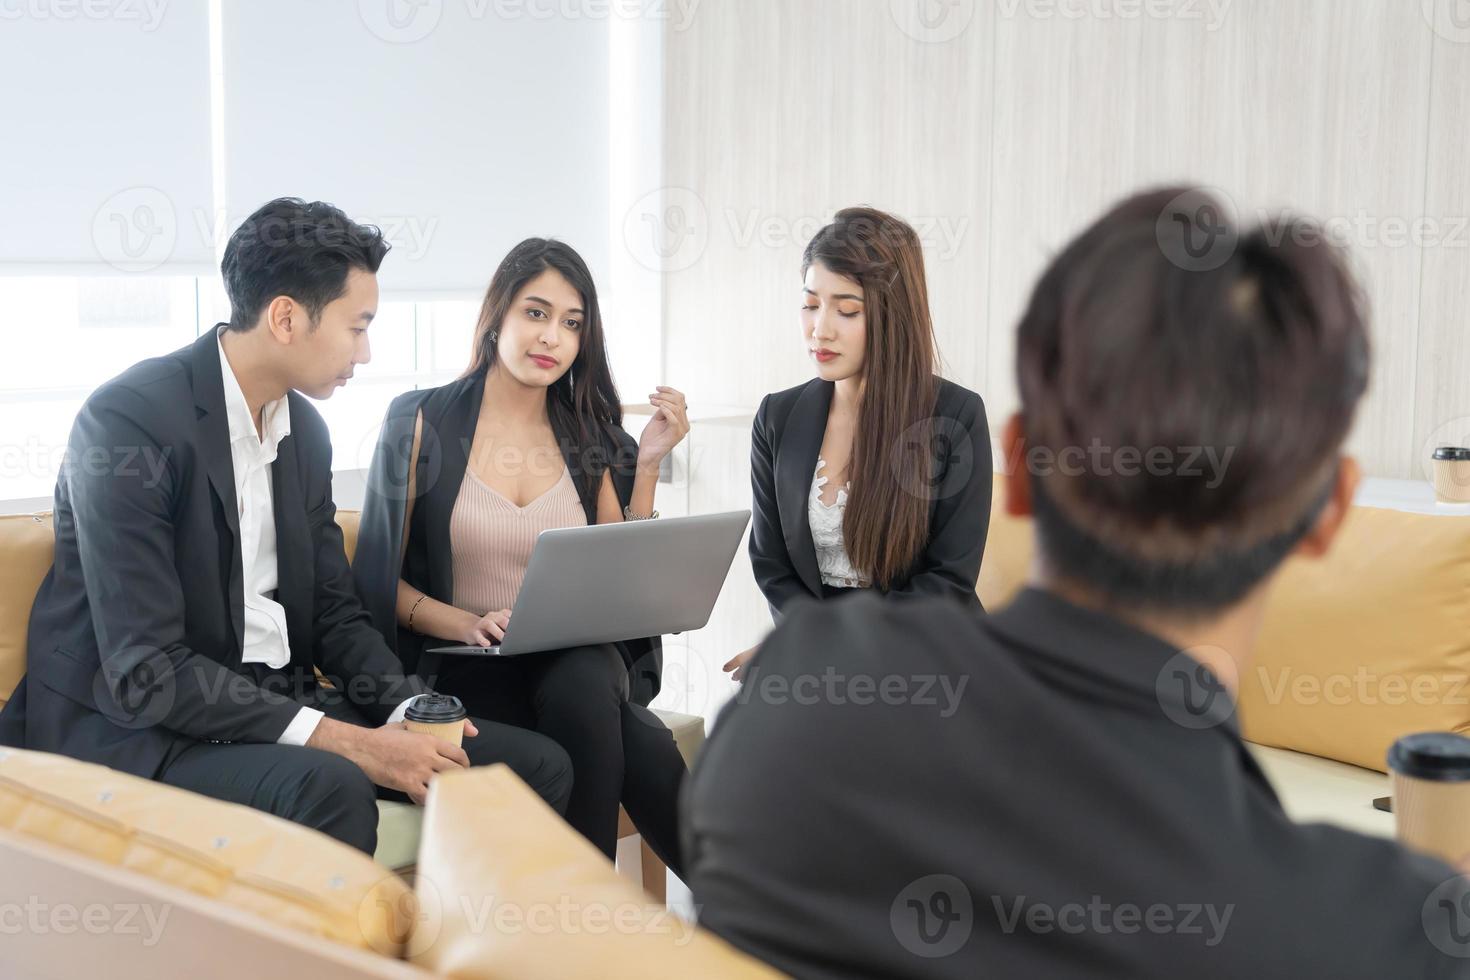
(266,639)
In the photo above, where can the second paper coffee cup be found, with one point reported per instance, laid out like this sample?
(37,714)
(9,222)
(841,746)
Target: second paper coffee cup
(1431,794)
(1452,474)
(440,715)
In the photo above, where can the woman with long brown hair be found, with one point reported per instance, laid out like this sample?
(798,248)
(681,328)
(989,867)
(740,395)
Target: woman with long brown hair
(876,474)
(467,475)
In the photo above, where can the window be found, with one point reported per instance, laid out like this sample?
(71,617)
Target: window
(68,335)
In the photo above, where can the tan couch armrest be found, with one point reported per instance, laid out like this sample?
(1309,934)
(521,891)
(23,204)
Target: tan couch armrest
(288,875)
(506,889)
(79,917)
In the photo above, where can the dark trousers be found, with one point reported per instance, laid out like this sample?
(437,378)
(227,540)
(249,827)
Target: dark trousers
(620,751)
(328,792)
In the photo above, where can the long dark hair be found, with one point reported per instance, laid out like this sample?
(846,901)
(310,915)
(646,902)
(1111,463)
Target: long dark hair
(886,525)
(583,403)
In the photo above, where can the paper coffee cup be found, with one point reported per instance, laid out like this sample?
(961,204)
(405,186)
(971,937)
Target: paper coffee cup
(1452,474)
(1431,794)
(440,715)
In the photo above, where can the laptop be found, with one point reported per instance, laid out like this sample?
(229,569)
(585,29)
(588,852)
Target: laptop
(610,582)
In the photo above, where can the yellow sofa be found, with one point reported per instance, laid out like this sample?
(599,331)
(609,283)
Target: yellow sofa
(1388,613)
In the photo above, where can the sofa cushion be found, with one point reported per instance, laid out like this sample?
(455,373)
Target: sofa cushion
(1371,643)
(25,558)
(400,825)
(284,873)
(348,521)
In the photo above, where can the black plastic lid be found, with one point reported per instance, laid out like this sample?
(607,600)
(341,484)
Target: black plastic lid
(1452,452)
(438,709)
(1440,756)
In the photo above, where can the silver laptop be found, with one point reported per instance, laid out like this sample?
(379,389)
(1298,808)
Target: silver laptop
(611,582)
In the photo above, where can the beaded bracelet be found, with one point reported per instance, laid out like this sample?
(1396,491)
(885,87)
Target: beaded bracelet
(415,608)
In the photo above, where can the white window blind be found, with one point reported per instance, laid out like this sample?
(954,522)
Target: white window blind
(459,127)
(106,127)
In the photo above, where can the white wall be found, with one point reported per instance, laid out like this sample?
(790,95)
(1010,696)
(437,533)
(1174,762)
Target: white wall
(1003,140)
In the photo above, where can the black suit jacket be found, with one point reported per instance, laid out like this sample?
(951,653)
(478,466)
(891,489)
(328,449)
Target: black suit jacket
(931,793)
(136,632)
(451,412)
(785,443)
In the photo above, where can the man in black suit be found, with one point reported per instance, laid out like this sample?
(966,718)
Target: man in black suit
(199,580)
(1060,789)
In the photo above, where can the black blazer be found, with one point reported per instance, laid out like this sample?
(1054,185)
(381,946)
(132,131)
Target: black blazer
(785,443)
(450,415)
(136,632)
(1075,713)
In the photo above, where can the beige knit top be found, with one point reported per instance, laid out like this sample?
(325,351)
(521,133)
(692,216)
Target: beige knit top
(491,539)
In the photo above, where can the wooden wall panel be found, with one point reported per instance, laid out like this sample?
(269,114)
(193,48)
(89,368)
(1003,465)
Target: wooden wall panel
(1314,104)
(781,112)
(1006,139)
(1442,386)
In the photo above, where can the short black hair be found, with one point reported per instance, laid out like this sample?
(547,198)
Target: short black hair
(293,248)
(1252,350)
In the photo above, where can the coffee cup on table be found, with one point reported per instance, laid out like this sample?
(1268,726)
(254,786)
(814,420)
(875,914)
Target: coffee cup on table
(1452,474)
(440,715)
(1431,794)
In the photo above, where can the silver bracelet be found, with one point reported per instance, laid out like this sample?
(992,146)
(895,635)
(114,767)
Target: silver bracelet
(628,515)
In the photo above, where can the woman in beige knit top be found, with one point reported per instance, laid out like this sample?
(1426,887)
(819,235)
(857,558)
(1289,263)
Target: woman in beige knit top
(530,438)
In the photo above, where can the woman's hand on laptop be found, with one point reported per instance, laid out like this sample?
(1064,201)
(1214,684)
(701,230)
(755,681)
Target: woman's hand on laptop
(487,630)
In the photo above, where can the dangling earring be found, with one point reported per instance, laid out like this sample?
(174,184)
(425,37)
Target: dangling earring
(495,336)
(571,381)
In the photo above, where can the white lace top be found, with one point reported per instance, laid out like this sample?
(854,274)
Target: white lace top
(826,525)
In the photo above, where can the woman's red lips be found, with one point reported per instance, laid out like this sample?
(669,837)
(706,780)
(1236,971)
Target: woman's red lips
(544,361)
(824,355)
